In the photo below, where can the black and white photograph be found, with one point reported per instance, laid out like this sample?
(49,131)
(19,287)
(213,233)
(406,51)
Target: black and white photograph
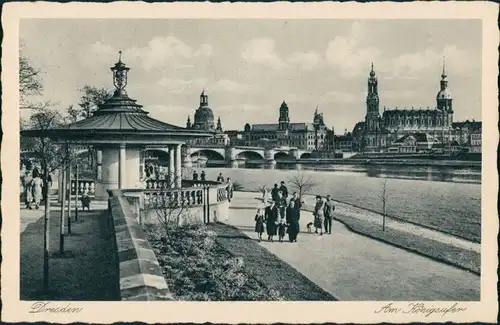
(254,160)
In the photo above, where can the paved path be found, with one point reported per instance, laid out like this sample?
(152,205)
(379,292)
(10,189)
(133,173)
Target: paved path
(87,274)
(354,267)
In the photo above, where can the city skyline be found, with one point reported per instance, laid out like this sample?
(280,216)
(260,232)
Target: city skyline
(247,77)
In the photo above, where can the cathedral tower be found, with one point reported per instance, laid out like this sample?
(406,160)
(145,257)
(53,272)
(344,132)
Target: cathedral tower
(284,119)
(372,104)
(444,99)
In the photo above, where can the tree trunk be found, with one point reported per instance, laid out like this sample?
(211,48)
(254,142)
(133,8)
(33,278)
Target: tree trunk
(46,234)
(63,205)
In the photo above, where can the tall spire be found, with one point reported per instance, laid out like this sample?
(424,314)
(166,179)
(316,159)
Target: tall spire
(444,68)
(372,72)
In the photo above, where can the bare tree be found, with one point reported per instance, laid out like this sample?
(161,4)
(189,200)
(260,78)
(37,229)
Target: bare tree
(302,183)
(51,156)
(383,198)
(170,206)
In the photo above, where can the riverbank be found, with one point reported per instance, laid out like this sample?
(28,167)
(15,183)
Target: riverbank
(430,243)
(392,162)
(452,208)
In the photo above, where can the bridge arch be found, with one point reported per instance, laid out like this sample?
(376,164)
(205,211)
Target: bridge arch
(250,155)
(281,156)
(305,155)
(207,153)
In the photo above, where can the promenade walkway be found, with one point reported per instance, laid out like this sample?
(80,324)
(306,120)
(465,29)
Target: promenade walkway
(353,267)
(86,273)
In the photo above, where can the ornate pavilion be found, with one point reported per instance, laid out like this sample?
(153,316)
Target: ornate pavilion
(120,130)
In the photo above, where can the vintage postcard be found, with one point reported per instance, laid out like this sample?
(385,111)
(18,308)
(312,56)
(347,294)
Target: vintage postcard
(250,163)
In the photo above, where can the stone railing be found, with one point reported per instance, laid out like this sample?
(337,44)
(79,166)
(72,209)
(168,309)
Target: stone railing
(140,275)
(196,201)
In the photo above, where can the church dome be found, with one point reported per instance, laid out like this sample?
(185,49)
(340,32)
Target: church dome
(204,114)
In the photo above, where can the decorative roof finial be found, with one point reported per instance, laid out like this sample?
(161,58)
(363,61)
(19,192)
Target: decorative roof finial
(372,72)
(120,71)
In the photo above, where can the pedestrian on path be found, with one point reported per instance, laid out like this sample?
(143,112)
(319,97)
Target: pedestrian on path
(271,217)
(202,175)
(195,176)
(274,192)
(284,190)
(229,189)
(265,195)
(328,211)
(28,189)
(319,215)
(259,223)
(281,226)
(220,178)
(281,203)
(37,186)
(292,219)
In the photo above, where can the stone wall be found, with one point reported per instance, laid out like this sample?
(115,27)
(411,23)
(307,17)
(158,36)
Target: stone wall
(141,277)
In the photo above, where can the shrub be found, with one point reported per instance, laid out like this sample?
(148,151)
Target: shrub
(196,268)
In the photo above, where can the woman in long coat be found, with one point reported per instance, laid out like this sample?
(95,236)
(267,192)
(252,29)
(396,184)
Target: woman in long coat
(271,217)
(292,219)
(319,216)
(37,190)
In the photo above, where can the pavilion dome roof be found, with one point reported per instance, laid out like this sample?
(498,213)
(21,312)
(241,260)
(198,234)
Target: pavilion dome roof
(444,94)
(120,117)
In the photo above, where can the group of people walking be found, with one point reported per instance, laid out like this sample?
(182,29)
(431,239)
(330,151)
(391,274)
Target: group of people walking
(33,188)
(281,215)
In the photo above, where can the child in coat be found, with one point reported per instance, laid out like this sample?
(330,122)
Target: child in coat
(281,228)
(259,223)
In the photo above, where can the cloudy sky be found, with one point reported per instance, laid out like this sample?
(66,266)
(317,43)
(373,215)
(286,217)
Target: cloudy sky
(248,67)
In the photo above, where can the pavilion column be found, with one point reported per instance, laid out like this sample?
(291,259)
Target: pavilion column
(178,166)
(110,172)
(133,167)
(122,178)
(99,164)
(171,167)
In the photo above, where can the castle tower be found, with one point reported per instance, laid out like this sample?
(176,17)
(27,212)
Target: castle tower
(284,119)
(444,99)
(219,125)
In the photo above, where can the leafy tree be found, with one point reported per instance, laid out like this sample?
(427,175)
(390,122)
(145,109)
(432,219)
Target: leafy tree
(91,98)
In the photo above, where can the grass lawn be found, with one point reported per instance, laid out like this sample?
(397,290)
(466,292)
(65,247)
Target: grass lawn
(447,253)
(219,263)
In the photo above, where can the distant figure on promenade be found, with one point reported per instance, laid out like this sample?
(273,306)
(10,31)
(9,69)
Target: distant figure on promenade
(195,176)
(319,215)
(27,189)
(229,189)
(284,190)
(274,192)
(329,208)
(37,190)
(259,223)
(202,175)
(265,195)
(292,219)
(271,217)
(220,178)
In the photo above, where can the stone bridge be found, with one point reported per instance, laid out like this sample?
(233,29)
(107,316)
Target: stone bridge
(234,153)
(231,155)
